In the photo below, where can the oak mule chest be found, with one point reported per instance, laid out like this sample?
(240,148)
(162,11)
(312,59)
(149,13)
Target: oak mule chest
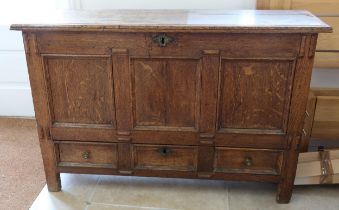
(191,94)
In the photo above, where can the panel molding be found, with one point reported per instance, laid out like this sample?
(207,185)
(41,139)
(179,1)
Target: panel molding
(162,70)
(290,61)
(45,58)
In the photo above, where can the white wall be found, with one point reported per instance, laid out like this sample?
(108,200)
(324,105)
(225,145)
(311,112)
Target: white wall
(15,94)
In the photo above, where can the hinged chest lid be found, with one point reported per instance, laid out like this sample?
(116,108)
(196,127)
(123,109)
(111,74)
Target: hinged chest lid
(232,21)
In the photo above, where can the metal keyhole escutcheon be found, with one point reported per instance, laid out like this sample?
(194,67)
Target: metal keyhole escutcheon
(163,40)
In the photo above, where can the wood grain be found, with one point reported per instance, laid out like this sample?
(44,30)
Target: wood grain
(301,84)
(42,113)
(262,107)
(261,161)
(222,100)
(209,92)
(186,45)
(81,89)
(101,155)
(165,92)
(176,20)
(177,158)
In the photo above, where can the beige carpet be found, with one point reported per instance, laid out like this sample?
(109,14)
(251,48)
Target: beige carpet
(21,170)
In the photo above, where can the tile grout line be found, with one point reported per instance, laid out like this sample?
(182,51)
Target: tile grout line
(228,198)
(117,205)
(89,200)
(142,207)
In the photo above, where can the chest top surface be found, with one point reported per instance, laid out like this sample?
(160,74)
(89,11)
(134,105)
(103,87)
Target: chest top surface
(237,21)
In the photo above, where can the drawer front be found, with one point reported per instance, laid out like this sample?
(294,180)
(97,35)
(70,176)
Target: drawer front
(248,161)
(88,155)
(158,157)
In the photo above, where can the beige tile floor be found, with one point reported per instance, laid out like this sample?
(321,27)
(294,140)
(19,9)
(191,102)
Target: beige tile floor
(94,192)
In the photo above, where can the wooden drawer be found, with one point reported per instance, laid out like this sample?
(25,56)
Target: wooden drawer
(88,155)
(248,161)
(159,157)
(326,117)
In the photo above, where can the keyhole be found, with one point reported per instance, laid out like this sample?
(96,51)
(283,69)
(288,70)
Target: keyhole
(162,41)
(164,151)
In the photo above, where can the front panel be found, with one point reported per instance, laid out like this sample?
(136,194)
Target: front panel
(254,94)
(198,88)
(81,89)
(80,96)
(165,92)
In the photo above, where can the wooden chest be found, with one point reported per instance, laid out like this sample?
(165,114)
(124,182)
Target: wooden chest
(192,94)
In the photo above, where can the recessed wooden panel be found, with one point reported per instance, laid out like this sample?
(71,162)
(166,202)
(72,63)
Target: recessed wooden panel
(248,161)
(254,94)
(165,92)
(157,157)
(80,89)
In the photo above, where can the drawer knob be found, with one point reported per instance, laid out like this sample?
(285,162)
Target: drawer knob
(248,161)
(85,155)
(164,151)
(163,39)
